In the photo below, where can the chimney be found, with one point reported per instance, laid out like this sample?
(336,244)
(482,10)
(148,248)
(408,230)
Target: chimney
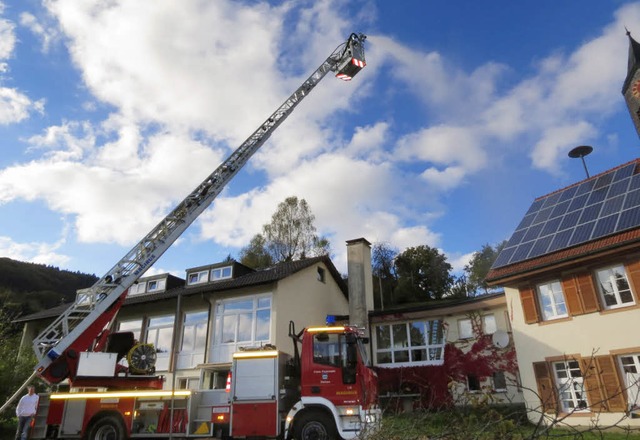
(360,281)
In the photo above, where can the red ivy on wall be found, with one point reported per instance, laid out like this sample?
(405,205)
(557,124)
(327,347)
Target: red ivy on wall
(430,385)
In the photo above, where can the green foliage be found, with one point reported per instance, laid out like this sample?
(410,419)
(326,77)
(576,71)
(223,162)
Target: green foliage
(27,287)
(291,235)
(423,274)
(384,274)
(479,266)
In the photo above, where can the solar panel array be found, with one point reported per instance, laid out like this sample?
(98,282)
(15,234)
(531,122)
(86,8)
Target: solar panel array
(600,206)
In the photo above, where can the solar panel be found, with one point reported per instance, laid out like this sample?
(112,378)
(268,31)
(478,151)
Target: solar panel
(603,205)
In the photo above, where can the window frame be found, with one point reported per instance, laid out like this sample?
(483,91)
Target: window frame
(616,294)
(202,277)
(394,354)
(221,273)
(550,294)
(567,386)
(159,324)
(257,308)
(633,396)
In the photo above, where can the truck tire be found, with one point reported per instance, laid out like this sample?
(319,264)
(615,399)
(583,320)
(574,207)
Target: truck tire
(315,426)
(107,428)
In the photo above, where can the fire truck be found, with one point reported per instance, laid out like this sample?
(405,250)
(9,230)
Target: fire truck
(324,391)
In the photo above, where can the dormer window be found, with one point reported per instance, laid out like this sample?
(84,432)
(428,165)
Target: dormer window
(155,285)
(198,277)
(137,288)
(220,273)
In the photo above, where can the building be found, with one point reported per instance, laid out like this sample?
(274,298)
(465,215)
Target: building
(196,324)
(571,275)
(446,352)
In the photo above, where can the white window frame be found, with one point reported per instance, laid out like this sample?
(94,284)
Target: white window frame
(433,350)
(572,394)
(188,383)
(549,293)
(132,325)
(258,308)
(156,285)
(200,277)
(630,368)
(156,326)
(489,324)
(221,273)
(138,288)
(609,274)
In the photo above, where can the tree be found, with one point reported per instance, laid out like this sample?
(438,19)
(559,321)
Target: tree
(479,266)
(291,235)
(255,254)
(423,274)
(384,275)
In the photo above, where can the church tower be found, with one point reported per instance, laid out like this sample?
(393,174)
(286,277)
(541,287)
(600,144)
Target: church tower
(631,87)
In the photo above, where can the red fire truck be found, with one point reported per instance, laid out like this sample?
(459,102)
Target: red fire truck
(324,391)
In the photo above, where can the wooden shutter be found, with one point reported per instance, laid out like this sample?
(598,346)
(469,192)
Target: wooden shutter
(587,292)
(634,273)
(546,390)
(529,305)
(570,290)
(614,397)
(592,385)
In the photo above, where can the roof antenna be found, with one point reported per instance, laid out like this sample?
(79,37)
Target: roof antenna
(581,152)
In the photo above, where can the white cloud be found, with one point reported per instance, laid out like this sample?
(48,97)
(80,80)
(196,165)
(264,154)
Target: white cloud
(41,253)
(48,34)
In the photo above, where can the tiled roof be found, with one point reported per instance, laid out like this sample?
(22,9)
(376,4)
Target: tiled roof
(452,303)
(598,214)
(266,276)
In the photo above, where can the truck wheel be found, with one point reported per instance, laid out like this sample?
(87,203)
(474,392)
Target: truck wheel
(107,428)
(315,426)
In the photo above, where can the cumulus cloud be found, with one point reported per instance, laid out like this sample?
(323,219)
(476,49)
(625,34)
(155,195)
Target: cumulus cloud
(40,253)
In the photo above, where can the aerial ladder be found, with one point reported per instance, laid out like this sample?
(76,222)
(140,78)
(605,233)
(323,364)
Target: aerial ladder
(78,329)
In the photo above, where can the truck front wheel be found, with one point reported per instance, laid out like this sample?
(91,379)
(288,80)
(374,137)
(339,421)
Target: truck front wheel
(106,428)
(315,426)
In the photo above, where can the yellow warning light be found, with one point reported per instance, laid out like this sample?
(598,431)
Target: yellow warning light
(116,394)
(255,354)
(336,329)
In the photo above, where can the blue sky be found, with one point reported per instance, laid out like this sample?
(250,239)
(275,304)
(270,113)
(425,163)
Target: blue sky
(112,112)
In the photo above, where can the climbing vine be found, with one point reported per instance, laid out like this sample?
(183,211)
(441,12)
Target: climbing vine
(431,386)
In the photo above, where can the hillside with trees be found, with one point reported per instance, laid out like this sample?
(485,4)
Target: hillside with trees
(28,287)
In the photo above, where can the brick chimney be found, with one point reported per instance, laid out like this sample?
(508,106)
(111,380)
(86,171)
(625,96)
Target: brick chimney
(360,281)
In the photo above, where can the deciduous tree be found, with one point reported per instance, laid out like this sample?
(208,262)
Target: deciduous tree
(423,274)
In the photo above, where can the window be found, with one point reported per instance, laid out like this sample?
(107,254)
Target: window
(489,324)
(465,328)
(326,349)
(321,275)
(552,301)
(137,288)
(134,326)
(614,287)
(159,333)
(473,383)
(246,321)
(194,332)
(198,277)
(410,342)
(156,285)
(631,374)
(570,386)
(221,273)
(188,383)
(499,381)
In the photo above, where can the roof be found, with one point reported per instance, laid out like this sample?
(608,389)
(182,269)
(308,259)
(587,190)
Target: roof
(453,305)
(594,215)
(260,277)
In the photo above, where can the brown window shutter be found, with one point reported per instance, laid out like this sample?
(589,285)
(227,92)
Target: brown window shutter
(546,390)
(592,385)
(633,269)
(570,289)
(614,397)
(587,292)
(529,305)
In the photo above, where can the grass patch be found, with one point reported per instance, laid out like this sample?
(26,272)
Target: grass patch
(509,423)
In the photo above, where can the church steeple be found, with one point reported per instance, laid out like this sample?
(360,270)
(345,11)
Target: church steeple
(631,87)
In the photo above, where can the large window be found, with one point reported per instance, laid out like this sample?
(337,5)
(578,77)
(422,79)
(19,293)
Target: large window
(614,287)
(631,368)
(194,332)
(159,333)
(552,301)
(246,321)
(570,386)
(465,326)
(134,326)
(410,342)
